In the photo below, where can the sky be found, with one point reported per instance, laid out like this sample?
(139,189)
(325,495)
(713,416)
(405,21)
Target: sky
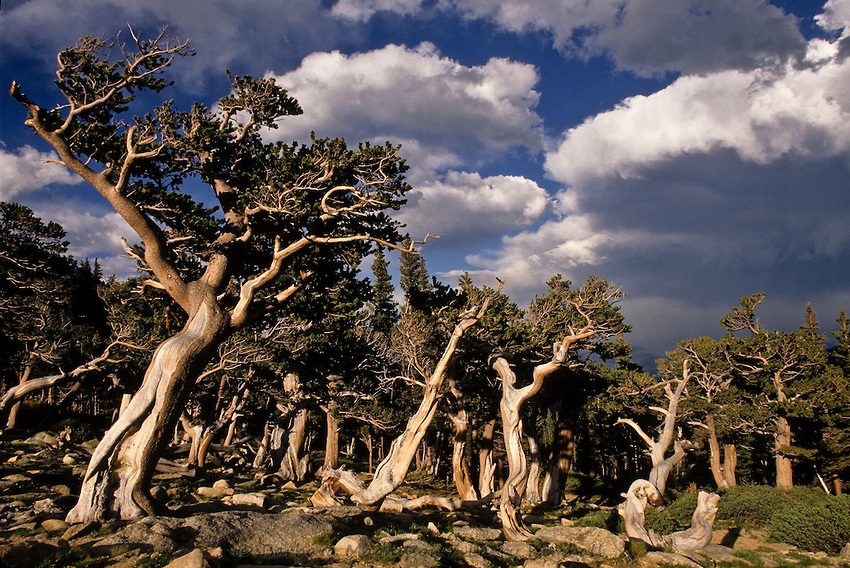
(690,151)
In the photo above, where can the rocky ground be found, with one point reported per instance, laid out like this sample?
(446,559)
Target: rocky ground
(234,517)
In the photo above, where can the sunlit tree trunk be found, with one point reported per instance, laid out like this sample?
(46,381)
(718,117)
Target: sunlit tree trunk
(118,476)
(460,423)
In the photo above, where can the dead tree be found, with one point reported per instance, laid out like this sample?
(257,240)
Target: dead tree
(662,464)
(642,493)
(226,267)
(460,423)
(391,472)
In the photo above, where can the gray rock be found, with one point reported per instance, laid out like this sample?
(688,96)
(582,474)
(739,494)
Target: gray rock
(719,553)
(54,525)
(595,541)
(249,500)
(552,561)
(26,553)
(665,559)
(80,530)
(418,560)
(518,549)
(353,545)
(194,559)
(264,536)
(477,561)
(477,533)
(421,545)
(466,547)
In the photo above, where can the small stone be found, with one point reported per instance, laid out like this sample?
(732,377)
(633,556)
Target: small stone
(249,500)
(12,459)
(45,507)
(466,547)
(16,478)
(519,549)
(477,561)
(289,485)
(353,545)
(90,444)
(477,533)
(194,559)
(68,459)
(17,504)
(222,484)
(54,525)
(417,560)
(567,522)
(433,528)
(217,553)
(80,530)
(552,561)
(667,559)
(368,521)
(61,489)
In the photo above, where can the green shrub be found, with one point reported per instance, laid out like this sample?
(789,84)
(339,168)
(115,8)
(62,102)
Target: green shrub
(813,524)
(753,505)
(610,520)
(676,516)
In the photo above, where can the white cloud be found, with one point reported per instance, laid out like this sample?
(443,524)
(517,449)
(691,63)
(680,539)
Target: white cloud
(249,36)
(763,116)
(646,36)
(399,93)
(362,10)
(93,234)
(835,16)
(25,170)
(526,261)
(464,206)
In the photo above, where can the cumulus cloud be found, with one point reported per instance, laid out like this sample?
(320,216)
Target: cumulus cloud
(464,206)
(401,93)
(362,10)
(25,170)
(249,37)
(645,36)
(93,234)
(762,116)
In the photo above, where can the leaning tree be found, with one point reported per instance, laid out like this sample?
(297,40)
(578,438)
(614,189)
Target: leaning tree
(286,217)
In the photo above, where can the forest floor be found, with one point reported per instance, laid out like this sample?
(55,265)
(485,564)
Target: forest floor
(234,516)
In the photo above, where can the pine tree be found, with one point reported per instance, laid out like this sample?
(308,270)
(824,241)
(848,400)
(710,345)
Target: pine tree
(386,312)
(414,278)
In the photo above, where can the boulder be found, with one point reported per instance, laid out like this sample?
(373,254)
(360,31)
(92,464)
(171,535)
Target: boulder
(194,559)
(418,560)
(552,561)
(595,541)
(477,533)
(26,553)
(845,552)
(519,549)
(353,545)
(249,500)
(54,525)
(665,560)
(264,536)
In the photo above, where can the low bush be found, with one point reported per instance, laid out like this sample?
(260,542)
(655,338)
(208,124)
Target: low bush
(753,505)
(676,516)
(816,524)
(603,519)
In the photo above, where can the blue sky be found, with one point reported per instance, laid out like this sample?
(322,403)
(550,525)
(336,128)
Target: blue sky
(691,151)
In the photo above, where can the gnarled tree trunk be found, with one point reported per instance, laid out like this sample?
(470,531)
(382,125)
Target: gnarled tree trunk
(118,476)
(460,423)
(486,465)
(513,399)
(781,442)
(532,484)
(722,468)
(393,469)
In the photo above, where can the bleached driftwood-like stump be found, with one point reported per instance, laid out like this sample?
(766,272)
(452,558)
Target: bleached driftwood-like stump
(642,493)
(662,464)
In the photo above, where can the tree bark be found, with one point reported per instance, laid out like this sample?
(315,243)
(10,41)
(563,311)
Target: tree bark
(116,483)
(331,437)
(460,423)
(12,419)
(486,465)
(393,469)
(730,462)
(532,484)
(782,440)
(513,399)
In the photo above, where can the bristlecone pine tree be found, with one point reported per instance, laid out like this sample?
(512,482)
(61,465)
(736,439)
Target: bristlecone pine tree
(288,215)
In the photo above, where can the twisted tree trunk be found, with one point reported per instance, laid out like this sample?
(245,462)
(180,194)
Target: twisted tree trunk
(532,484)
(460,422)
(118,476)
(486,465)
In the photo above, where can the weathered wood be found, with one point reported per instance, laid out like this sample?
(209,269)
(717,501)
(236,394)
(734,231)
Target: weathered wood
(460,423)
(698,536)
